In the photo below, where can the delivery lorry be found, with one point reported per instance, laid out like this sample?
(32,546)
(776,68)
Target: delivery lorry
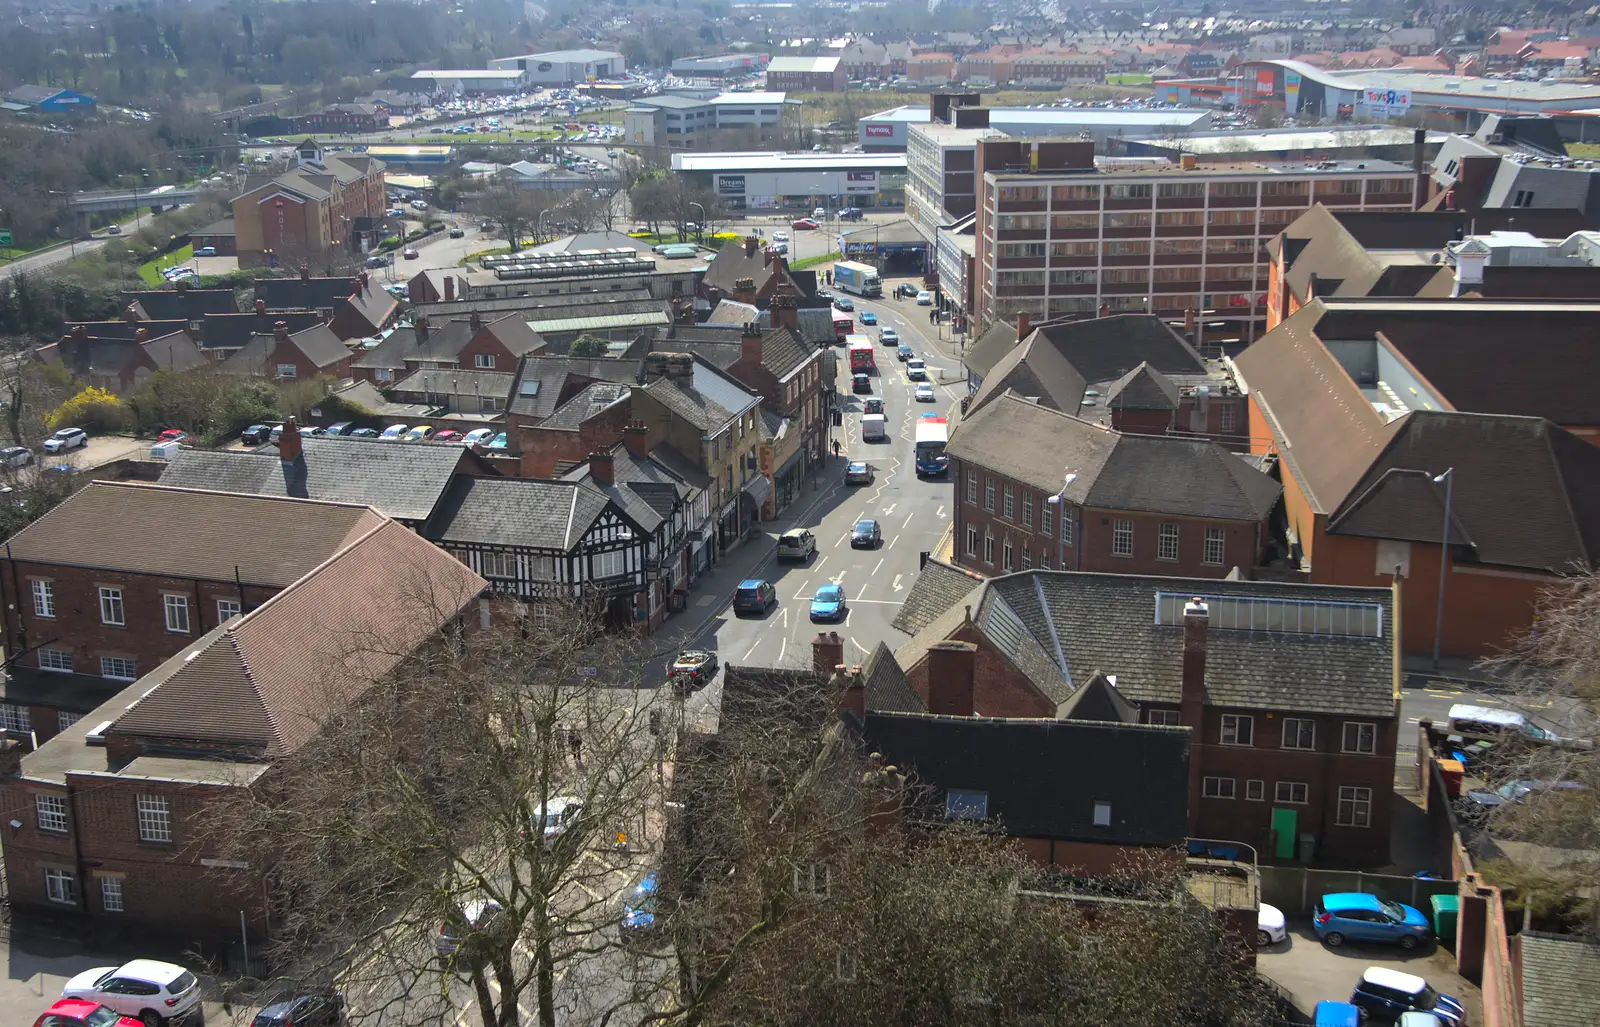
(860,279)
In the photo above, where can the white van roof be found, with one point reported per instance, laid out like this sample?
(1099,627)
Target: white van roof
(1487,714)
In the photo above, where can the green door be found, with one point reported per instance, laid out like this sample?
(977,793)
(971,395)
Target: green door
(1283,825)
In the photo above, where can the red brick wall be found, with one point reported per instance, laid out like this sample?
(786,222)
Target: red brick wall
(543,447)
(289,353)
(484,343)
(999,690)
(1088,858)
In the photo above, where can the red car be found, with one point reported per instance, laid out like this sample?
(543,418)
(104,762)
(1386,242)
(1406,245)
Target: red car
(79,1012)
(448,435)
(804,224)
(172,435)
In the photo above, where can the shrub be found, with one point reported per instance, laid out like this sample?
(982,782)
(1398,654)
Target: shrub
(590,346)
(92,408)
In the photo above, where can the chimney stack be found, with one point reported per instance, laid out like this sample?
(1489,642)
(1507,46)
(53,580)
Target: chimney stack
(750,244)
(636,438)
(785,308)
(852,689)
(1196,621)
(827,652)
(475,319)
(305,272)
(950,678)
(420,326)
(601,467)
(130,313)
(744,290)
(141,335)
(261,307)
(280,331)
(1104,311)
(1024,326)
(289,447)
(449,288)
(80,331)
(750,344)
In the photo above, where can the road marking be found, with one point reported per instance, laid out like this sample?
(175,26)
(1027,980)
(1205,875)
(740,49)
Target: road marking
(820,563)
(876,569)
(804,587)
(890,509)
(858,645)
(838,579)
(752,649)
(893,541)
(908,521)
(897,585)
(461,1019)
(786,618)
(783,644)
(939,514)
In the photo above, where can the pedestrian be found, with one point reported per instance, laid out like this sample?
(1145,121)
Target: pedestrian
(835,447)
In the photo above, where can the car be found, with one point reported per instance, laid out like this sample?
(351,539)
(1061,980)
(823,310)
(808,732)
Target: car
(754,595)
(819,213)
(889,337)
(311,432)
(780,248)
(796,544)
(916,369)
(851,214)
(858,472)
(866,535)
(474,918)
(780,236)
(340,428)
(904,289)
(844,303)
(923,393)
(206,251)
(868,317)
(448,435)
(638,921)
(611,154)
(1270,927)
(1477,804)
(419,204)
(498,442)
(1357,916)
(275,434)
(149,990)
(828,603)
(860,383)
(16,456)
(556,817)
(65,439)
(693,668)
(410,253)
(82,1012)
(872,405)
(457,233)
(172,435)
(1384,994)
(805,225)
(419,433)
(303,1009)
(903,352)
(395,431)
(363,433)
(114,230)
(477,437)
(924,298)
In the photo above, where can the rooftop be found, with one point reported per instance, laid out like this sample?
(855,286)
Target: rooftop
(773,161)
(813,65)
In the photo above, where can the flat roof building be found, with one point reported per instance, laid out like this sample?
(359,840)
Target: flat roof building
(720,66)
(755,181)
(564,67)
(468,81)
(682,122)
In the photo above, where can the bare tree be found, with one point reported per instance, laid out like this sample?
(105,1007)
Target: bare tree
(513,211)
(33,389)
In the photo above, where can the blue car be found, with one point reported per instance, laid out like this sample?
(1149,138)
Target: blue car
(868,317)
(1357,916)
(828,603)
(639,909)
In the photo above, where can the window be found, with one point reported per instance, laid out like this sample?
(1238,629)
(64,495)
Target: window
(611,564)
(972,487)
(383,374)
(1216,546)
(1232,217)
(1006,510)
(1355,807)
(56,659)
(1238,729)
(966,804)
(988,494)
(988,549)
(483,360)
(1074,249)
(1295,793)
(1129,192)
(50,812)
(1180,219)
(1181,190)
(111,894)
(177,608)
(812,881)
(1127,220)
(972,541)
(1066,525)
(1233,189)
(1255,790)
(1168,247)
(1228,418)
(1075,222)
(1102,813)
(111,611)
(1284,189)
(227,608)
(1122,538)
(155,819)
(1027,508)
(1337,187)
(1027,559)
(1299,733)
(117,667)
(1044,520)
(1165,718)
(1076,276)
(1021,249)
(60,886)
(1126,247)
(1167,543)
(1075,194)
(15,718)
(1524,198)
(498,565)
(44,598)
(1360,737)
(1217,788)
(1005,552)
(65,720)
(287,371)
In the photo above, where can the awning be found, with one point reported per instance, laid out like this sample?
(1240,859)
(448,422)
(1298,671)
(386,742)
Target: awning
(758,490)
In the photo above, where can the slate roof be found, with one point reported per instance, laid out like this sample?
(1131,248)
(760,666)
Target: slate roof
(1115,471)
(542,380)
(127,329)
(783,352)
(753,692)
(987,349)
(522,513)
(1143,388)
(707,401)
(318,344)
(371,303)
(181,304)
(1141,770)
(734,263)
(107,525)
(233,331)
(456,382)
(594,399)
(440,340)
(403,480)
(1525,494)
(1559,972)
(644,489)
(939,587)
(1084,623)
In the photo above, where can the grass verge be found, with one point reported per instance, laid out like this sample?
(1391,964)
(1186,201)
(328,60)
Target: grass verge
(817,261)
(151,270)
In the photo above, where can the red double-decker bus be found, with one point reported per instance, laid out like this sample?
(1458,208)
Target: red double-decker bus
(862,358)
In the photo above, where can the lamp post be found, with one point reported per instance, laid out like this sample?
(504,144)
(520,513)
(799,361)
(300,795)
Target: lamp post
(1059,502)
(538,226)
(1448,480)
(700,226)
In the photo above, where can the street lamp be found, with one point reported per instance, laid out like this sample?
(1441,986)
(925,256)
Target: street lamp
(700,226)
(1448,480)
(1059,502)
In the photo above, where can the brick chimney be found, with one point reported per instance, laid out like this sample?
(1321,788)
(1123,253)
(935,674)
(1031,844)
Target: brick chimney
(664,364)
(280,331)
(950,678)
(261,307)
(744,290)
(130,313)
(851,688)
(475,319)
(636,438)
(305,272)
(141,335)
(750,343)
(827,652)
(80,331)
(449,288)
(1024,326)
(420,326)
(11,754)
(1196,621)
(786,308)
(1104,311)
(750,244)
(289,447)
(601,467)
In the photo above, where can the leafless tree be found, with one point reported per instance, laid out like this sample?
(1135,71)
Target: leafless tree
(33,389)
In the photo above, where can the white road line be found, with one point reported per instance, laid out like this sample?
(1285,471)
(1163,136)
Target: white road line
(858,645)
(847,614)
(752,648)
(785,620)
(879,602)
(876,569)
(908,521)
(783,644)
(461,1018)
(939,513)
(893,541)
(820,562)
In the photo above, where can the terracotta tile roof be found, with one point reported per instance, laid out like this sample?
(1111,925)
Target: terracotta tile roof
(191,533)
(267,680)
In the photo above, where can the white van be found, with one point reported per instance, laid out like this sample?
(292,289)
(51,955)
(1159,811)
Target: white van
(874,427)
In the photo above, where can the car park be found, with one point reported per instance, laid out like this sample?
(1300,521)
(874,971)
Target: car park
(754,595)
(797,545)
(477,436)
(419,433)
(16,456)
(149,990)
(65,439)
(923,393)
(395,431)
(889,337)
(828,603)
(924,298)
(866,535)
(340,428)
(1357,916)
(868,317)
(1385,995)
(363,433)
(858,473)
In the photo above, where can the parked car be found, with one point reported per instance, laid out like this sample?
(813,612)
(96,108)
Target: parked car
(780,236)
(559,815)
(828,603)
(860,383)
(448,435)
(693,667)
(410,253)
(380,260)
(754,596)
(819,213)
(363,433)
(256,434)
(82,1012)
(1357,916)
(475,916)
(1385,994)
(340,428)
(206,251)
(275,434)
(868,317)
(924,298)
(872,405)
(638,923)
(1477,803)
(796,544)
(477,437)
(805,224)
(65,439)
(889,337)
(1270,927)
(498,442)
(858,473)
(16,456)
(303,1009)
(866,535)
(419,433)
(1338,1014)
(312,431)
(456,233)
(394,431)
(923,393)
(844,303)
(152,991)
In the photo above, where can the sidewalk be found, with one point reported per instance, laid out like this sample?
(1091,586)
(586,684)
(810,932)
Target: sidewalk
(1455,668)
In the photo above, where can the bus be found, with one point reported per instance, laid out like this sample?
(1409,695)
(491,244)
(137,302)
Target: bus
(932,433)
(862,360)
(842,323)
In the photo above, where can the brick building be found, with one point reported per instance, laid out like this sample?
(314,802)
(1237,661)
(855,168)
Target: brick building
(1135,504)
(350,118)
(119,365)
(111,808)
(469,342)
(308,353)
(806,75)
(1290,691)
(325,205)
(354,307)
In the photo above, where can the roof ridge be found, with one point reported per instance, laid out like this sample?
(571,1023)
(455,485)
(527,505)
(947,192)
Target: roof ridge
(267,711)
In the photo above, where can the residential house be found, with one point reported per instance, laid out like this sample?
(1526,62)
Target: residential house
(222,335)
(1290,690)
(460,394)
(748,274)
(327,204)
(864,59)
(546,382)
(591,421)
(806,75)
(1133,504)
(180,304)
(355,307)
(120,365)
(935,68)
(221,236)
(471,342)
(309,353)
(109,814)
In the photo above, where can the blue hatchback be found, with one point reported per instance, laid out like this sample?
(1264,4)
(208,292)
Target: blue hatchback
(828,603)
(868,317)
(1357,916)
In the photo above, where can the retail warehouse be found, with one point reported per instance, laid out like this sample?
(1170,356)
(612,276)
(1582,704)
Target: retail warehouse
(798,181)
(888,130)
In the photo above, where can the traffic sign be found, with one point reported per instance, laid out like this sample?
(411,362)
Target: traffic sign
(5,237)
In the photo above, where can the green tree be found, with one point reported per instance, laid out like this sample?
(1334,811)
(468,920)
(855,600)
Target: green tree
(587,345)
